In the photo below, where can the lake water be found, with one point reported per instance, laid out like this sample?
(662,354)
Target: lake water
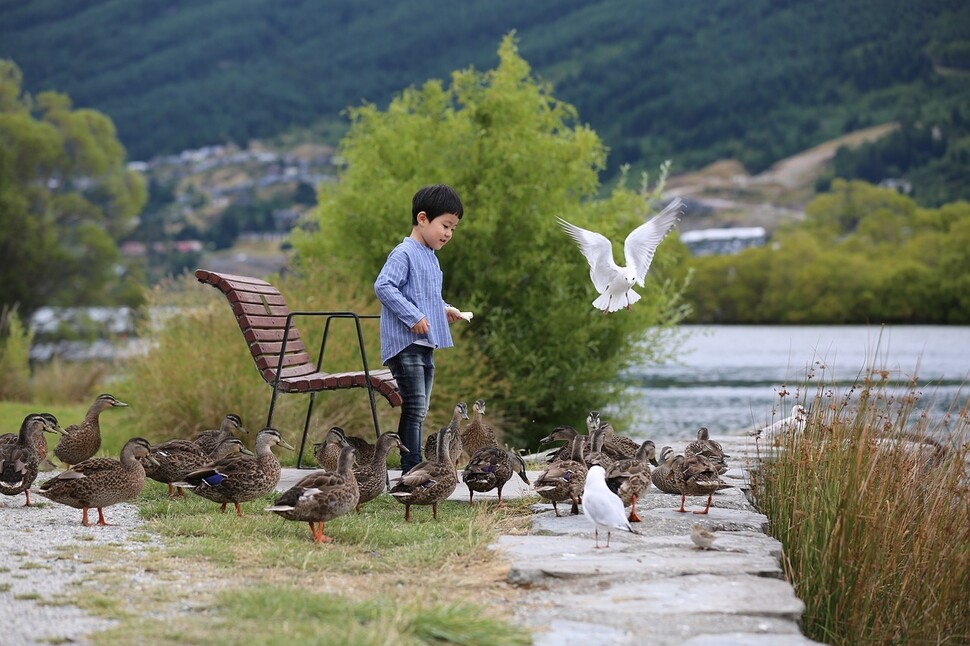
(729,378)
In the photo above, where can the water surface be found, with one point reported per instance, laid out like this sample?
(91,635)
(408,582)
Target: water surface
(730,378)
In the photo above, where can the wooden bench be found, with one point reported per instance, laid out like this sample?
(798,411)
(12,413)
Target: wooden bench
(278,348)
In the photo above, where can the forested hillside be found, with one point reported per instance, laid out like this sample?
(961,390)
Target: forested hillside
(753,80)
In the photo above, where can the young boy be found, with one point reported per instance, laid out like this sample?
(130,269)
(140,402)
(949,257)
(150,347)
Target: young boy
(414,320)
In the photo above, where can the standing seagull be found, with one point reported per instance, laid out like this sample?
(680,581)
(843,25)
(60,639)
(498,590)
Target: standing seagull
(602,507)
(794,423)
(615,283)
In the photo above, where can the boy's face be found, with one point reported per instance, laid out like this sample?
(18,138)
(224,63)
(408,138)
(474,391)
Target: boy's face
(435,233)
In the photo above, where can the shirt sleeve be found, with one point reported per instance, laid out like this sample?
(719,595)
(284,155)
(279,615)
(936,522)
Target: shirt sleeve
(389,289)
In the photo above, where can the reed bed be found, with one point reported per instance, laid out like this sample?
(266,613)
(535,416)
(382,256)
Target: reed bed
(871,504)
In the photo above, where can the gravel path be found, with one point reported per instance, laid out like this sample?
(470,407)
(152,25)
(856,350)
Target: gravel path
(43,564)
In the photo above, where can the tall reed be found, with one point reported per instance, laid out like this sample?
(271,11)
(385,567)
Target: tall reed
(871,504)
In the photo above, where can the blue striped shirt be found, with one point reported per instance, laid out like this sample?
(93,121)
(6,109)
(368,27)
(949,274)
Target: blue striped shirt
(409,288)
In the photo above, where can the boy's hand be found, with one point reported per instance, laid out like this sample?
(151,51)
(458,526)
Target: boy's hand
(454,314)
(421,327)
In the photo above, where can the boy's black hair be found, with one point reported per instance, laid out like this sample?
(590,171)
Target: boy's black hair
(435,200)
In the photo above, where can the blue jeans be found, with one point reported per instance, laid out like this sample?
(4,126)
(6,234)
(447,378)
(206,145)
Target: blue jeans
(413,369)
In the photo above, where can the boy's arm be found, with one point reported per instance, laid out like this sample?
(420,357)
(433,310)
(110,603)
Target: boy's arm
(393,276)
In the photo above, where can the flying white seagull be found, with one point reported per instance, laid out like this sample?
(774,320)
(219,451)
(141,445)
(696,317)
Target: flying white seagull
(615,283)
(602,507)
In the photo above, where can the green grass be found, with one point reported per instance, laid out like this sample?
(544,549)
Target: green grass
(876,542)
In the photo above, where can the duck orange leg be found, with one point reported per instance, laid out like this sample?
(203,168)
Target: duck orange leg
(224,507)
(683,498)
(27,493)
(407,512)
(101,520)
(319,536)
(238,509)
(434,510)
(633,518)
(706,509)
(84,517)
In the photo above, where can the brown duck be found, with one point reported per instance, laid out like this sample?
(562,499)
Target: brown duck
(429,482)
(477,434)
(19,460)
(491,468)
(239,478)
(564,479)
(630,477)
(327,452)
(321,496)
(372,476)
(82,441)
(100,482)
(177,458)
(698,477)
(210,440)
(40,441)
(708,448)
(455,448)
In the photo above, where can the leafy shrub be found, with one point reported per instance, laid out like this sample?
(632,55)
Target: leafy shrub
(518,158)
(15,341)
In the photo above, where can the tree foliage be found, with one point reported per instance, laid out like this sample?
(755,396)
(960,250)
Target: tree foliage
(864,254)
(518,158)
(65,198)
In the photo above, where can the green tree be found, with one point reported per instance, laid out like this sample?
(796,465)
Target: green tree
(65,199)
(518,158)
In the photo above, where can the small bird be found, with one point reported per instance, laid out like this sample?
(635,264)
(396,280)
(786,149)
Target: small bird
(703,538)
(602,507)
(615,283)
(794,423)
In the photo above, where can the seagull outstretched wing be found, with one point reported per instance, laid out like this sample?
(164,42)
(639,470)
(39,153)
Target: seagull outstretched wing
(598,251)
(643,241)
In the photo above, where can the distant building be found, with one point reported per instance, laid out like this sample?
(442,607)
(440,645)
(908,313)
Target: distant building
(707,242)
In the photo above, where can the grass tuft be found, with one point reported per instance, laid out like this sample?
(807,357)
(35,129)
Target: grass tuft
(876,532)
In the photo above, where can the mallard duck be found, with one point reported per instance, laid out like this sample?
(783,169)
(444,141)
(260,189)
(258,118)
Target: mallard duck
(630,477)
(602,507)
(19,460)
(209,440)
(663,477)
(596,455)
(617,446)
(176,458)
(707,447)
(490,468)
(372,476)
(564,452)
(477,434)
(697,477)
(321,496)
(564,479)
(327,453)
(455,447)
(429,482)
(238,478)
(40,441)
(100,482)
(81,441)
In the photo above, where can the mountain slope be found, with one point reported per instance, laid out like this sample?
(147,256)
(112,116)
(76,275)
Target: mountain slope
(754,80)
